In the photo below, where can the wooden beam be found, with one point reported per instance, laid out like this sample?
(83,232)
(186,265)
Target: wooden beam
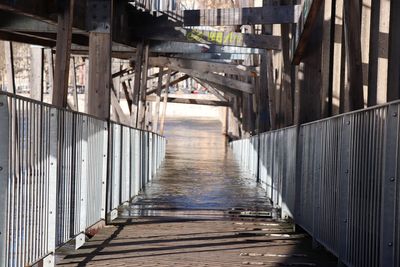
(9,58)
(63,47)
(352,25)
(137,81)
(120,113)
(100,44)
(309,15)
(99,75)
(50,67)
(170,83)
(203,66)
(393,92)
(24,38)
(192,101)
(158,99)
(193,48)
(204,75)
(165,101)
(241,16)
(36,75)
(212,90)
(216,39)
(75,89)
(218,79)
(143,89)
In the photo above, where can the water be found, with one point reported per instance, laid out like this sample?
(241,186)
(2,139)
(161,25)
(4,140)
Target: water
(199,173)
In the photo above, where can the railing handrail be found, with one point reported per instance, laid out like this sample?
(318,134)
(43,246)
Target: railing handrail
(38,102)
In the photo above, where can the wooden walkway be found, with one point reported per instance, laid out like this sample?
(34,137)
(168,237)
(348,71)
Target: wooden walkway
(191,215)
(172,241)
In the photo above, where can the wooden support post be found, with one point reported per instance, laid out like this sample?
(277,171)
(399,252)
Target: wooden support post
(158,99)
(288,69)
(326,60)
(338,49)
(352,25)
(36,75)
(9,57)
(308,80)
(393,92)
(271,90)
(63,49)
(264,115)
(136,85)
(50,77)
(100,43)
(164,110)
(86,85)
(75,89)
(143,89)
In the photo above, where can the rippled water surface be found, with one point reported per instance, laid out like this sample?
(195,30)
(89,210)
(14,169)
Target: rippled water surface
(199,173)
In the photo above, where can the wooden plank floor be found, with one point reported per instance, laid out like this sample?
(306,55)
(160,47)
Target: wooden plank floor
(214,242)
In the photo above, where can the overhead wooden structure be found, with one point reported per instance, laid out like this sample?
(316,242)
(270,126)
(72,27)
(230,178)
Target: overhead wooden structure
(273,65)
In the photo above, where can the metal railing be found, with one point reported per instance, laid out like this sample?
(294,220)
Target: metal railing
(62,172)
(338,179)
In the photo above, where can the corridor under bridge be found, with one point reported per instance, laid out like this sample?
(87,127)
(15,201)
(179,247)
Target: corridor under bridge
(200,210)
(104,160)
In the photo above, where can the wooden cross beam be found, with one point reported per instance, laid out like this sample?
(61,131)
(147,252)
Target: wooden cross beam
(309,15)
(204,66)
(218,79)
(172,47)
(192,101)
(162,32)
(241,16)
(169,83)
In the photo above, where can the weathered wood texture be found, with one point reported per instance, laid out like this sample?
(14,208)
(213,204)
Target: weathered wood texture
(63,47)
(158,99)
(165,102)
(9,58)
(99,75)
(191,101)
(242,16)
(160,32)
(36,75)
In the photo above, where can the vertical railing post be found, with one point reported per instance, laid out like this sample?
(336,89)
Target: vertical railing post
(80,239)
(344,176)
(52,187)
(150,156)
(4,176)
(104,171)
(389,189)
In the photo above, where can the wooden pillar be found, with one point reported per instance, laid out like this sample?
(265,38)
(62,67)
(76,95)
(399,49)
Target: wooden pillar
(50,77)
(287,84)
(271,90)
(86,85)
(100,42)
(165,102)
(75,89)
(136,84)
(9,57)
(393,92)
(158,100)
(327,57)
(63,50)
(143,89)
(36,74)
(308,80)
(264,115)
(352,25)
